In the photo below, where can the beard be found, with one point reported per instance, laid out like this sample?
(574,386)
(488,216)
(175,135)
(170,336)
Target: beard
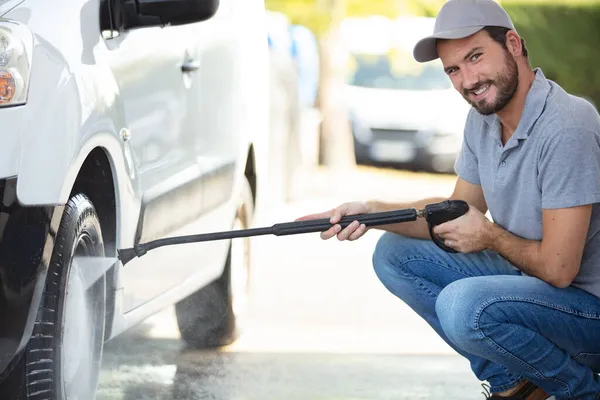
(506,84)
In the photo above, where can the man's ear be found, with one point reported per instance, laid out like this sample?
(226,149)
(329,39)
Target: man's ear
(513,43)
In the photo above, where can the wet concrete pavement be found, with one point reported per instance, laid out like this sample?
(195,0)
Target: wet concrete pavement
(320,324)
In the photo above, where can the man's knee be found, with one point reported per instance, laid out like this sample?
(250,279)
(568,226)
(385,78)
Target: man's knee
(391,253)
(458,308)
(389,246)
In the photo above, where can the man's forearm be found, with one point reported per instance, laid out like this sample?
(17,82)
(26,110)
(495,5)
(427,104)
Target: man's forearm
(523,253)
(416,229)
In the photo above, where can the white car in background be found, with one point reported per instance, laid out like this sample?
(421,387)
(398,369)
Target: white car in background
(122,122)
(402,112)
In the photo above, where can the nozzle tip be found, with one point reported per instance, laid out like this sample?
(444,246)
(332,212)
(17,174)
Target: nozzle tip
(126,255)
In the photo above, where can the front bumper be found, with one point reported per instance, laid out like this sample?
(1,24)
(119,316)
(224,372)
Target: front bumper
(11,126)
(26,245)
(421,149)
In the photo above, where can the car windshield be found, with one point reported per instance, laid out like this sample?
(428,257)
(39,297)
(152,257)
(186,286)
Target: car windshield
(396,70)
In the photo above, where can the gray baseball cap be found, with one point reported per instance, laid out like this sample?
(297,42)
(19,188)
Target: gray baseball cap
(458,19)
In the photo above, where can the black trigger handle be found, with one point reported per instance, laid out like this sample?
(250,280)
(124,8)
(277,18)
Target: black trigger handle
(445,211)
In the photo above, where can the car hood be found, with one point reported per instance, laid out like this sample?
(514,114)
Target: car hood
(438,110)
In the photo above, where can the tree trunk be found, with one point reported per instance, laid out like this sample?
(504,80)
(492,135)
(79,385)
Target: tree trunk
(337,143)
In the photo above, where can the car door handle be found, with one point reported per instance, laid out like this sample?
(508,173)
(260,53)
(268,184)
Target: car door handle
(190,66)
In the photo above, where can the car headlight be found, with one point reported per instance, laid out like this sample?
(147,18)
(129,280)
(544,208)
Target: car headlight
(16,43)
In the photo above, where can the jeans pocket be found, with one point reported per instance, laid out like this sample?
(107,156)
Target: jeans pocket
(591,360)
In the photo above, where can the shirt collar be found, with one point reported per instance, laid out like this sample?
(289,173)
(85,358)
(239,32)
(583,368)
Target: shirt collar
(534,106)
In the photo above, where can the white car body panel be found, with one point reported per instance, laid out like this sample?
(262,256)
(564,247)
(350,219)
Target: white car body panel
(90,92)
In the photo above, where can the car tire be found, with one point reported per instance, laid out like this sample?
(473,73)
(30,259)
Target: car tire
(62,360)
(212,316)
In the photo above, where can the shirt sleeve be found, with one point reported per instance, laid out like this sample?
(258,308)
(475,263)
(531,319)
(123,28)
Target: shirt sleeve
(466,165)
(569,169)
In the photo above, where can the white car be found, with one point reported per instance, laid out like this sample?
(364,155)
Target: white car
(122,122)
(402,112)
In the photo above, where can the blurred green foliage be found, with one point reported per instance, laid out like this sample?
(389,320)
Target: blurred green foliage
(316,14)
(563,40)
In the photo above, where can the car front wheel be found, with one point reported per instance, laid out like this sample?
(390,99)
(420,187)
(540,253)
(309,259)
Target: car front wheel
(63,357)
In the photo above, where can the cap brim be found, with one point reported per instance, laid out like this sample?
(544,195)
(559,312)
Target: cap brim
(426,50)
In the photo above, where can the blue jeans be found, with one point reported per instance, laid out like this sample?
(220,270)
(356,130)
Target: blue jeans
(509,326)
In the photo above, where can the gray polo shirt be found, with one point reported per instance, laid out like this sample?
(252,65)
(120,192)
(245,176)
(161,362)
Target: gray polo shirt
(551,161)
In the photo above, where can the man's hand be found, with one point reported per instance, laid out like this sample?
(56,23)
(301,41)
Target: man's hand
(469,233)
(353,231)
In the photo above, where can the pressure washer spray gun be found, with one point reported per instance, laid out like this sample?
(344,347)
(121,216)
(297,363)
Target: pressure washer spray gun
(434,214)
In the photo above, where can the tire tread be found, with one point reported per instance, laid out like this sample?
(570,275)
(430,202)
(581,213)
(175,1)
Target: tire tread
(36,367)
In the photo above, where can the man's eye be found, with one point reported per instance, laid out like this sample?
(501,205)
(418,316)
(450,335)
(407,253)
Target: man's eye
(475,57)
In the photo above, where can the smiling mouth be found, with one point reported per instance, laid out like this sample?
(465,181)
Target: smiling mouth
(481,90)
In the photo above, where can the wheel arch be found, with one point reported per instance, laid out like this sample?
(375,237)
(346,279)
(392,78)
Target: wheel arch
(96,180)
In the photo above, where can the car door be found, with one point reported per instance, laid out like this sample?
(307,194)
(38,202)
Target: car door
(153,71)
(216,116)
(215,122)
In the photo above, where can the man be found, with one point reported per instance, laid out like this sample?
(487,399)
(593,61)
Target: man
(521,298)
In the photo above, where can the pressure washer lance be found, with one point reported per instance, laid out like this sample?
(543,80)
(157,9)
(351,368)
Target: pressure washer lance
(93,268)
(434,214)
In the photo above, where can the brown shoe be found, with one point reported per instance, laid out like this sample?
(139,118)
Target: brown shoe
(528,391)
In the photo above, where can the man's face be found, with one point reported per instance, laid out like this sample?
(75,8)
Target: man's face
(481,70)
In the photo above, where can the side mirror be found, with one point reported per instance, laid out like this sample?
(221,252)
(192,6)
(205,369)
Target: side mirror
(129,14)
